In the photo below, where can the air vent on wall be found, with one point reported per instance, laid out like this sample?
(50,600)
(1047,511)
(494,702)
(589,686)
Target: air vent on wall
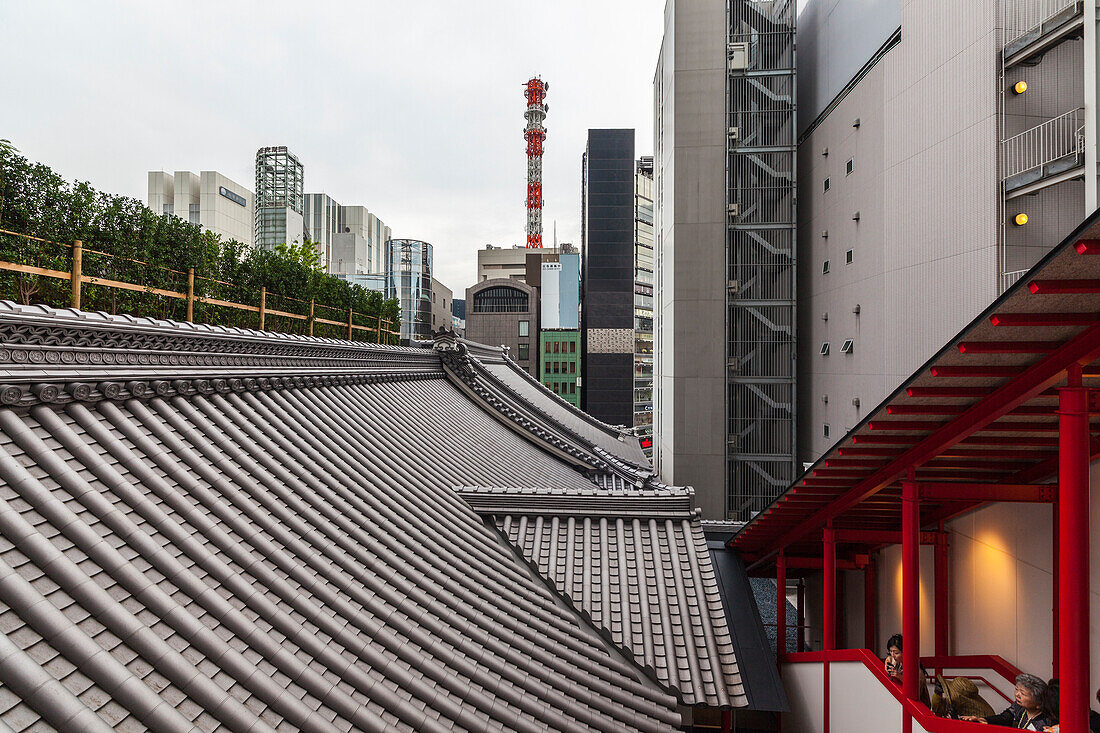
(824,351)
(848,346)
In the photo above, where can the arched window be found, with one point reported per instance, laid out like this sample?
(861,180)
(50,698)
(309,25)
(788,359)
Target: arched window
(500,299)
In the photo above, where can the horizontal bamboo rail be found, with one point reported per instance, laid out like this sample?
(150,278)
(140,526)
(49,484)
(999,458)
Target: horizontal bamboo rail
(189,296)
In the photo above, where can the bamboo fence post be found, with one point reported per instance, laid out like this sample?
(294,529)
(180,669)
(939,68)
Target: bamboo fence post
(350,312)
(263,306)
(378,335)
(190,294)
(310,322)
(75,275)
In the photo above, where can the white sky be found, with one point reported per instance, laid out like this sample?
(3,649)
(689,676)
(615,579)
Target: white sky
(411,108)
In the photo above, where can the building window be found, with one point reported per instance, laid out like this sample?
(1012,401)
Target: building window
(500,299)
(572,347)
(849,166)
(524,352)
(825,267)
(825,430)
(849,256)
(825,186)
(547,370)
(572,367)
(524,328)
(573,388)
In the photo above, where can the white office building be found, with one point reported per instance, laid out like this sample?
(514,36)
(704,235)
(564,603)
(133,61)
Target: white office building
(209,199)
(363,235)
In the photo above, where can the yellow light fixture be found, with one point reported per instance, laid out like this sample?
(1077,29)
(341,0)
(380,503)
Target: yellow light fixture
(1020,87)
(1021,219)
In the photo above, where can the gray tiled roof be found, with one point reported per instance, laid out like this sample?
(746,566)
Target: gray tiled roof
(617,441)
(636,562)
(206,529)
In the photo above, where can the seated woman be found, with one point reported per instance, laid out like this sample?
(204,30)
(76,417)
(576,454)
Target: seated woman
(1027,712)
(894,671)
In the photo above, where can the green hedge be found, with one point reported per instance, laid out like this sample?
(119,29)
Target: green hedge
(156,250)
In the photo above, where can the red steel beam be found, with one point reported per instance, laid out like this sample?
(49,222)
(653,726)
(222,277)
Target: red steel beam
(855,462)
(906,425)
(1037,493)
(880,537)
(1044,374)
(1049,320)
(887,439)
(976,371)
(925,409)
(1031,442)
(1064,287)
(948,391)
(1008,347)
(855,451)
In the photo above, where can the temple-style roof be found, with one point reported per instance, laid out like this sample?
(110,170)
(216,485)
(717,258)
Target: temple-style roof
(637,564)
(206,528)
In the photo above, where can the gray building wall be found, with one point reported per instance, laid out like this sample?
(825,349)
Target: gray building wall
(690,324)
(925,184)
(441,306)
(503,328)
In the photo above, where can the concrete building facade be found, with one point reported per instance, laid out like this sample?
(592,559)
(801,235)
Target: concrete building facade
(325,219)
(560,289)
(209,199)
(724,196)
(560,361)
(280,198)
(505,312)
(924,132)
(494,263)
(442,302)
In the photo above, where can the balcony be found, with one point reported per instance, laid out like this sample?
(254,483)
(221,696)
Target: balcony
(1034,26)
(1046,154)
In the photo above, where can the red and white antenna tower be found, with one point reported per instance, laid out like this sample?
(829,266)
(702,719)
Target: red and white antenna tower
(535,135)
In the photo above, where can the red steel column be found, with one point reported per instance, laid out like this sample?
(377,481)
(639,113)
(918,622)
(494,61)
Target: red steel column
(800,609)
(1054,632)
(828,614)
(780,606)
(942,583)
(869,606)
(1073,554)
(727,721)
(910,587)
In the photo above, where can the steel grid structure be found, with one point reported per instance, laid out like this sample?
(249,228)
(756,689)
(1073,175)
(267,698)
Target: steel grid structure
(279,186)
(535,134)
(760,254)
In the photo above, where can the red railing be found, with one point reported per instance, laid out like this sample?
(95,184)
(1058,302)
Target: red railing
(919,713)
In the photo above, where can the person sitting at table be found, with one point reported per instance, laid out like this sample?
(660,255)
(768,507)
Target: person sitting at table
(1026,713)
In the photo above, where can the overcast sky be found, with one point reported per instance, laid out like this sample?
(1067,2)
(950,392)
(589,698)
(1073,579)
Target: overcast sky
(413,109)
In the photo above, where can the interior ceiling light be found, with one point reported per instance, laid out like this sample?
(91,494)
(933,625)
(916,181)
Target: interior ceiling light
(1020,87)
(1020,219)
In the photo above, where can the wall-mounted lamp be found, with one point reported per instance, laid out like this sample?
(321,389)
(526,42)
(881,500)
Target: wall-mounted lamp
(1019,87)
(1020,219)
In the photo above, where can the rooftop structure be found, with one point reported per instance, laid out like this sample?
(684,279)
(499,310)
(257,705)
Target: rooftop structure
(280,198)
(535,135)
(286,532)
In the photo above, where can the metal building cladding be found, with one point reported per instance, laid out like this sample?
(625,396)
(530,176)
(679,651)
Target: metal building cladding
(204,528)
(1005,412)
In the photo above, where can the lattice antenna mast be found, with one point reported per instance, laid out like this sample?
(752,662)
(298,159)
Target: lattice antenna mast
(535,135)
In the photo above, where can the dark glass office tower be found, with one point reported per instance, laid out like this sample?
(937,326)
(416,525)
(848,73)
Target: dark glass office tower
(607,278)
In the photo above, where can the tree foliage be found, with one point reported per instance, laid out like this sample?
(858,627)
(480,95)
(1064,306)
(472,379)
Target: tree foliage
(126,241)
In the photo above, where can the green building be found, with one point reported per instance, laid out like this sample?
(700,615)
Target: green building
(559,365)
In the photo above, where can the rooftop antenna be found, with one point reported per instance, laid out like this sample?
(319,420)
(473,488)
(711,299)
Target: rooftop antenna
(535,135)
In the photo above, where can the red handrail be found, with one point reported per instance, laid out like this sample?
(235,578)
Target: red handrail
(921,715)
